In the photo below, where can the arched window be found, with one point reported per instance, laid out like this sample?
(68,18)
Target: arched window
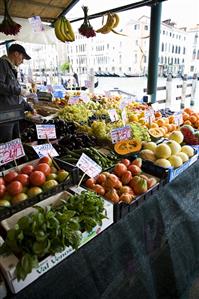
(162,47)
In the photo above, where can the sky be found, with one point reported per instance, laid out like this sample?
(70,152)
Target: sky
(182,12)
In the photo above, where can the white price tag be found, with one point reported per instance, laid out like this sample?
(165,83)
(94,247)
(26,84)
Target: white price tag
(124,117)
(88,166)
(77,189)
(113,115)
(36,23)
(178,119)
(123,103)
(10,151)
(46,131)
(73,100)
(121,134)
(43,150)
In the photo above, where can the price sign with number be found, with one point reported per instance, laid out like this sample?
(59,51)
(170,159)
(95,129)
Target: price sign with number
(88,166)
(46,131)
(43,150)
(121,134)
(10,151)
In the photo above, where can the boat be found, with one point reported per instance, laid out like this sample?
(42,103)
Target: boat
(129,75)
(81,87)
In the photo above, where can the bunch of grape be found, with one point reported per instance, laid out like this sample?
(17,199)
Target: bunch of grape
(139,132)
(77,113)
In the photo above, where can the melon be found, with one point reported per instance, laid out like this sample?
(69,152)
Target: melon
(163,151)
(187,150)
(176,136)
(174,146)
(163,163)
(175,161)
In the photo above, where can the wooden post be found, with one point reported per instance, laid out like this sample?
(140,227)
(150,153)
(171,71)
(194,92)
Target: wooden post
(183,94)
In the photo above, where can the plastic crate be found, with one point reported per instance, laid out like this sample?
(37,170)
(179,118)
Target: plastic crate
(71,181)
(122,209)
(168,174)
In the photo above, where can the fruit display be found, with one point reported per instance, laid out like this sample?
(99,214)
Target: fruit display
(63,30)
(31,180)
(169,153)
(124,183)
(50,229)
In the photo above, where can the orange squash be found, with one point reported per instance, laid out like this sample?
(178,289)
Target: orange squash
(125,147)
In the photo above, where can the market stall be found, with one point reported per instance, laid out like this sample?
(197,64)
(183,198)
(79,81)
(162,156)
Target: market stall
(109,176)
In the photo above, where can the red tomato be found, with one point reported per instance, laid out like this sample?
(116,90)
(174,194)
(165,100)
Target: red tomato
(126,162)
(2,182)
(99,189)
(2,190)
(37,178)
(90,183)
(44,167)
(23,178)
(119,169)
(10,176)
(14,188)
(27,169)
(101,178)
(47,160)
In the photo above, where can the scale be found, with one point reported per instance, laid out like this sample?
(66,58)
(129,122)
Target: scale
(14,113)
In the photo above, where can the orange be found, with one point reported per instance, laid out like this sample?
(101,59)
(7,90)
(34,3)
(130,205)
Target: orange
(187,122)
(171,119)
(188,110)
(154,125)
(158,114)
(160,122)
(193,119)
(185,116)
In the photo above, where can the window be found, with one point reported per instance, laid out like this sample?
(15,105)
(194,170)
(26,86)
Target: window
(136,42)
(198,55)
(135,27)
(173,49)
(145,58)
(135,58)
(184,50)
(179,50)
(146,27)
(162,47)
(176,51)
(192,68)
(163,32)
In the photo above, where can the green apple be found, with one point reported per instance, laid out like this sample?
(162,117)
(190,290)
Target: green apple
(19,198)
(49,185)
(62,175)
(34,191)
(4,203)
(51,176)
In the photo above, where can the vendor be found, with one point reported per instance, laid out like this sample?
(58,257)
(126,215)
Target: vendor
(11,92)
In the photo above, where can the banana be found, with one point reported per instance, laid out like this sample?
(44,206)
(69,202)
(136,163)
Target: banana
(58,33)
(117,20)
(63,30)
(70,30)
(108,26)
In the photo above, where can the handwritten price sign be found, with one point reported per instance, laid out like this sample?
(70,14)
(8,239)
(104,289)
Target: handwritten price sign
(46,131)
(120,134)
(43,150)
(88,166)
(10,151)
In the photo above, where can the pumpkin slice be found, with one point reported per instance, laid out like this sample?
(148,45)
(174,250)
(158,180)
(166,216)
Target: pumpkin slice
(155,134)
(124,147)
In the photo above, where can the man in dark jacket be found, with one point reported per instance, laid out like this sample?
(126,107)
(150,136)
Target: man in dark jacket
(11,92)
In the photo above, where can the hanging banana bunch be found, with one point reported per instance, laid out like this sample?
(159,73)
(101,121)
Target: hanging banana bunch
(111,23)
(63,30)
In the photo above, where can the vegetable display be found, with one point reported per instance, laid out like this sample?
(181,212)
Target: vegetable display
(51,229)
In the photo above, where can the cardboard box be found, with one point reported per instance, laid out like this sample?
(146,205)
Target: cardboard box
(8,263)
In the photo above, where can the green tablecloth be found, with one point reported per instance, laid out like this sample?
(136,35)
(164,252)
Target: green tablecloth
(152,253)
